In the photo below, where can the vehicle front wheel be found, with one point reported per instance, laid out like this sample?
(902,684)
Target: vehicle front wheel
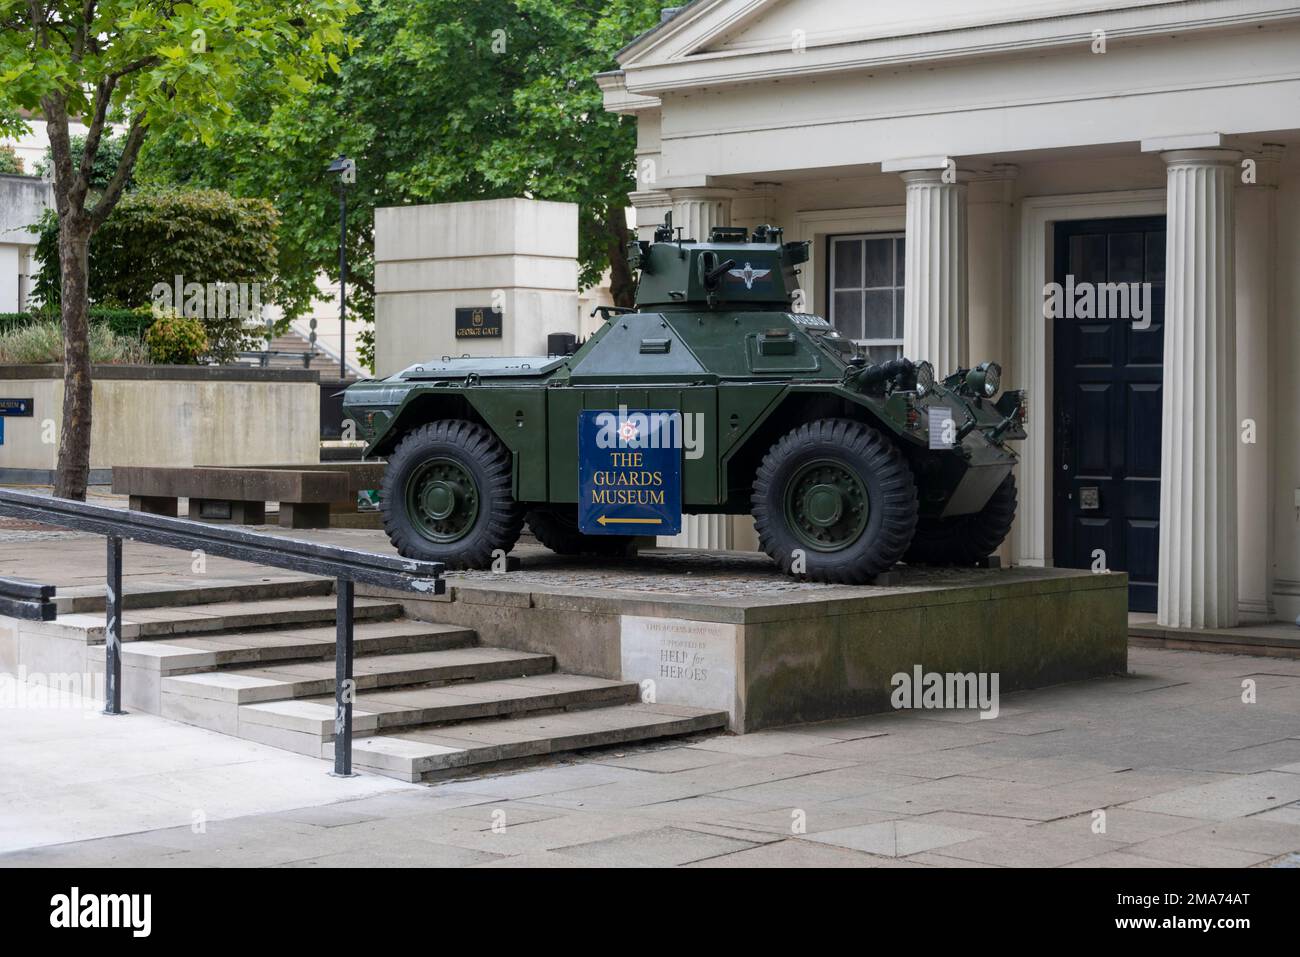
(965,539)
(835,500)
(556,527)
(447,495)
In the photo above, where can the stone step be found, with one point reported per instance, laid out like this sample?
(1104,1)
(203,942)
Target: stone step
(165,593)
(229,616)
(305,724)
(435,752)
(304,679)
(209,651)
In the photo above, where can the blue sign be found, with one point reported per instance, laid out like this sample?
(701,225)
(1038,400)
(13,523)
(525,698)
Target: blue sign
(16,407)
(630,472)
(2,431)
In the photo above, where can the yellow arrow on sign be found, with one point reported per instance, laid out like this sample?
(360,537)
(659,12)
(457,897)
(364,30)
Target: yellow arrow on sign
(604,520)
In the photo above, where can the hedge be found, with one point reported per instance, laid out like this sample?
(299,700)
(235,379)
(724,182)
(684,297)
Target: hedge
(124,322)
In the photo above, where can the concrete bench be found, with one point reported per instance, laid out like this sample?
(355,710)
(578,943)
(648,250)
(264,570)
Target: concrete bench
(361,477)
(236,495)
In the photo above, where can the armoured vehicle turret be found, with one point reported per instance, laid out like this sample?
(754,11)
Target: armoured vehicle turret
(847,466)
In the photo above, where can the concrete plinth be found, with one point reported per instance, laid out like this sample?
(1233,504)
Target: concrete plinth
(729,632)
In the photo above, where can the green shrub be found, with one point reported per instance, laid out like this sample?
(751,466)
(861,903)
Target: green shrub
(9,161)
(205,237)
(42,342)
(177,341)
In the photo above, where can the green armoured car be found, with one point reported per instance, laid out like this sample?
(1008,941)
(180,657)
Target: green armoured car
(846,466)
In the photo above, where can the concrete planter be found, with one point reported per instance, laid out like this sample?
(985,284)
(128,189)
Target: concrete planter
(165,415)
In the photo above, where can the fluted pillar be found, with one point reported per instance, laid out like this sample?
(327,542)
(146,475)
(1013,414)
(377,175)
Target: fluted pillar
(934,314)
(1198,500)
(697,211)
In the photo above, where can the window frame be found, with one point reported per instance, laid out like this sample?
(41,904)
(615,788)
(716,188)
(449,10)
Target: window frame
(895,236)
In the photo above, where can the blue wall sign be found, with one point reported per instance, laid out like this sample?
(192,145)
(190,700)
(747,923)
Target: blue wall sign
(2,431)
(16,407)
(630,472)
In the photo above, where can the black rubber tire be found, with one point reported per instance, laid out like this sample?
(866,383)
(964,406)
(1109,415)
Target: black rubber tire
(500,519)
(965,539)
(890,490)
(556,527)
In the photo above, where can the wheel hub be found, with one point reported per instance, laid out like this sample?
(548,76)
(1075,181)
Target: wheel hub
(442,500)
(438,498)
(826,505)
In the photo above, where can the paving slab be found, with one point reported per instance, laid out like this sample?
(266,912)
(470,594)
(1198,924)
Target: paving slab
(1032,847)
(792,853)
(895,838)
(660,847)
(1235,797)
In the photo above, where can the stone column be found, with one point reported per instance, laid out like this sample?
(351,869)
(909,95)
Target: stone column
(1198,500)
(697,211)
(1256,302)
(934,315)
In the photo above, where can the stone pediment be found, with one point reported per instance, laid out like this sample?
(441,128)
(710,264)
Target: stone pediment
(720,41)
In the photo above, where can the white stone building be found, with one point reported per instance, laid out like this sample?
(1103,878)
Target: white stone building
(23,200)
(950,160)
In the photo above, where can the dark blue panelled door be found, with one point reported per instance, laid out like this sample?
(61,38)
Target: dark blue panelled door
(1108,381)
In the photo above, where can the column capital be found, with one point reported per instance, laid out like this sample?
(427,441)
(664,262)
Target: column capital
(684,193)
(1201,157)
(933,177)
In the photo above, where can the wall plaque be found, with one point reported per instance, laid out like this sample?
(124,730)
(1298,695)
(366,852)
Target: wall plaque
(478,322)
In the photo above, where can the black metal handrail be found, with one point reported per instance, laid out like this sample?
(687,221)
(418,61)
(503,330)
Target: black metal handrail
(26,600)
(346,565)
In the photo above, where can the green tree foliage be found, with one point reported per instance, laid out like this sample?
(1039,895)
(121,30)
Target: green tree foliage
(154,68)
(441,101)
(103,166)
(202,236)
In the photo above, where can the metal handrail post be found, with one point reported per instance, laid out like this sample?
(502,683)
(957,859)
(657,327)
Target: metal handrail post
(113,629)
(344,684)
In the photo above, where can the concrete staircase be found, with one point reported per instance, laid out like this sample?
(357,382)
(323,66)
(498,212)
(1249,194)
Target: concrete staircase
(432,701)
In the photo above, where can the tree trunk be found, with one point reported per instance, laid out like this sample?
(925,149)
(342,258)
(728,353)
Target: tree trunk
(74,435)
(622,285)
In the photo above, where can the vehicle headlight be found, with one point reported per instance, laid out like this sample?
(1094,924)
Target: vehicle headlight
(985,379)
(924,378)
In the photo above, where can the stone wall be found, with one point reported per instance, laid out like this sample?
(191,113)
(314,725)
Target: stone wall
(167,416)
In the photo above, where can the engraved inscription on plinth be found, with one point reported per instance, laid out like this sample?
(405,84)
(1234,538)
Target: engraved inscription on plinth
(689,662)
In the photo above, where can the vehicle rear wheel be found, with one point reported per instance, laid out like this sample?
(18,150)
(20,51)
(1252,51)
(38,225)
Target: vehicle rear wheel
(965,539)
(836,499)
(446,495)
(556,527)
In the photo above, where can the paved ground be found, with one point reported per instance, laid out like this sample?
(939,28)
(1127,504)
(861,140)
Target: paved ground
(1185,771)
